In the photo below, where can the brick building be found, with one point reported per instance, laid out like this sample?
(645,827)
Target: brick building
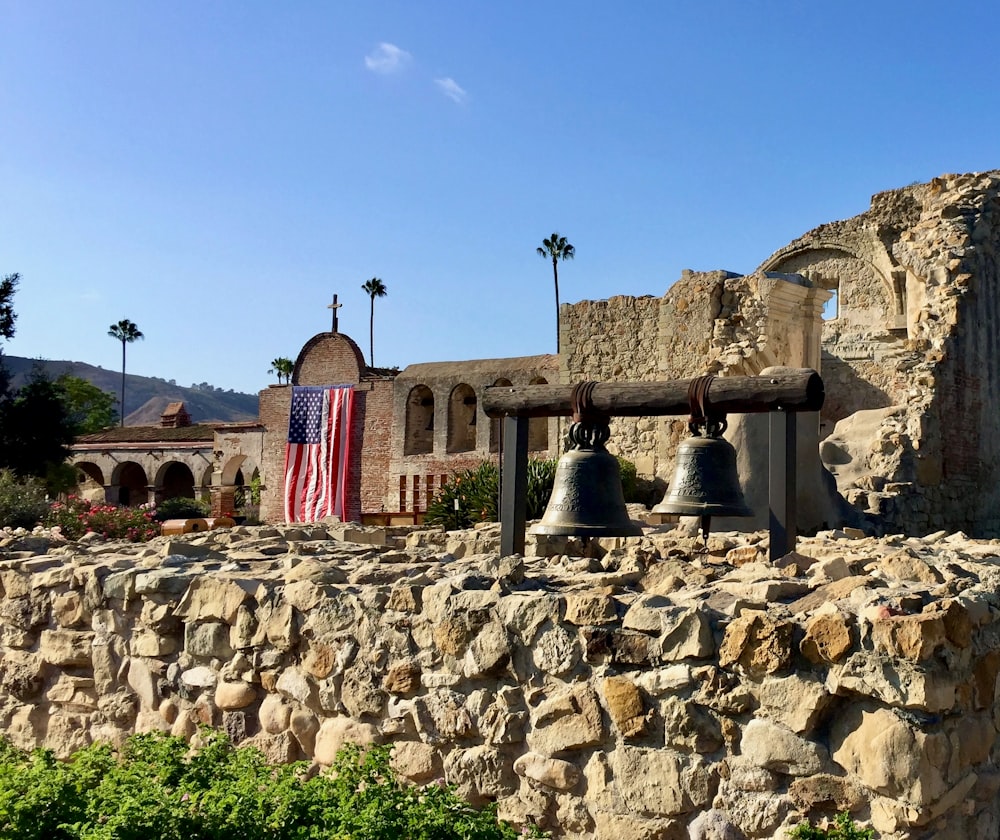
(411,429)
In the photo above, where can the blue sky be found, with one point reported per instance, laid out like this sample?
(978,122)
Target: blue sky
(215,171)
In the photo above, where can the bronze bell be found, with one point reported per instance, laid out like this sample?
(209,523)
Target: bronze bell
(587,498)
(706,482)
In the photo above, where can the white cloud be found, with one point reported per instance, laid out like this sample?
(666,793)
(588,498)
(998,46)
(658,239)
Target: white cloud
(450,88)
(386,59)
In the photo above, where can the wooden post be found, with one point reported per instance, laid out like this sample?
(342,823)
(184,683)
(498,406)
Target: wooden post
(781,483)
(514,474)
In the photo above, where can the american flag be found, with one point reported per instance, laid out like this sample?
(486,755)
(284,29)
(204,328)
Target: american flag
(317,456)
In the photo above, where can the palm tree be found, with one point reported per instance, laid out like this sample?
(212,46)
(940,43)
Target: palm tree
(557,248)
(126,332)
(375,288)
(283,367)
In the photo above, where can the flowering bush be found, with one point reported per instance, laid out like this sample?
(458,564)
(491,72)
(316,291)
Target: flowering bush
(76,517)
(22,500)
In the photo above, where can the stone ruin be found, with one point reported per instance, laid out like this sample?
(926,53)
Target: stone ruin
(643,688)
(909,354)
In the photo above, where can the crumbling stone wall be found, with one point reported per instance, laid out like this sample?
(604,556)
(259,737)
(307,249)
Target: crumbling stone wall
(708,322)
(656,690)
(918,328)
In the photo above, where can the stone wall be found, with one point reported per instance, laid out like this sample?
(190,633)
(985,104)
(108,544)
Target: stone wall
(708,322)
(654,691)
(917,333)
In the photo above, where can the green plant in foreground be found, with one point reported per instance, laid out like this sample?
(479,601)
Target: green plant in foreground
(843,828)
(76,517)
(181,507)
(157,788)
(22,500)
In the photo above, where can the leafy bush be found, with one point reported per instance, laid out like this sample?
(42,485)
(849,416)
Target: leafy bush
(843,828)
(181,507)
(155,789)
(76,517)
(22,500)
(629,479)
(474,490)
(477,491)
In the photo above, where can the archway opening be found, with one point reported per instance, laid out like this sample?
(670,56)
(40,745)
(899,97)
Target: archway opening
(538,427)
(132,484)
(462,408)
(419,433)
(495,424)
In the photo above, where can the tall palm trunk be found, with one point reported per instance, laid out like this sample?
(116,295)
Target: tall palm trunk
(371,335)
(555,274)
(123,384)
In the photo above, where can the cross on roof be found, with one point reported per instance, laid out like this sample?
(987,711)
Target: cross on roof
(334,306)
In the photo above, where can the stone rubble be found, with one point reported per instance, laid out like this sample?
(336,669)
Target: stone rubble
(638,688)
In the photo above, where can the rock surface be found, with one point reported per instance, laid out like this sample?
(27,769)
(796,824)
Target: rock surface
(858,674)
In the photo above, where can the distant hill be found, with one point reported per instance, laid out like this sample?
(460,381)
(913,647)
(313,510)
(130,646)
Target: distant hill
(145,396)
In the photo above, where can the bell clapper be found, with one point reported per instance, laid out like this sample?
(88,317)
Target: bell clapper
(706,526)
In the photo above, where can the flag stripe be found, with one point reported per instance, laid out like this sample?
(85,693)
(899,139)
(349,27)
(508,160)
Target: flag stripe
(317,462)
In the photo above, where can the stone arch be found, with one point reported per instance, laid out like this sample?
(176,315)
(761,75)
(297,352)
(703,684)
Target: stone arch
(175,479)
(823,264)
(497,422)
(419,433)
(462,408)
(132,483)
(89,481)
(538,427)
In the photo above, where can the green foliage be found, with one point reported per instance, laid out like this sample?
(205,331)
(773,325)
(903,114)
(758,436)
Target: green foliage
(35,431)
(181,507)
(76,517)
(843,828)
(627,471)
(156,789)
(22,500)
(477,491)
(7,315)
(283,368)
(474,490)
(88,408)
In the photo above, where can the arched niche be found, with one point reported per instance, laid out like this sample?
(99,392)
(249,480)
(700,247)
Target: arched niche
(538,427)
(419,432)
(462,407)
(495,424)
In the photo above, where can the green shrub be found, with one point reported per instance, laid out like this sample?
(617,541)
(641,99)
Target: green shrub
(843,828)
(76,517)
(629,479)
(477,491)
(22,501)
(155,789)
(181,507)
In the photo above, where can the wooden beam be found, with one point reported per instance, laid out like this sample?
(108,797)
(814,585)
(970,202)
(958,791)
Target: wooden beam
(794,389)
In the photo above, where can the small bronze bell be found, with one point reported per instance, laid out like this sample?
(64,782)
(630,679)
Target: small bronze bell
(706,482)
(587,498)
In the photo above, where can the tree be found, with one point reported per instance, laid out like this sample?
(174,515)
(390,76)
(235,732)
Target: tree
(283,367)
(35,428)
(375,288)
(7,317)
(126,332)
(88,408)
(557,248)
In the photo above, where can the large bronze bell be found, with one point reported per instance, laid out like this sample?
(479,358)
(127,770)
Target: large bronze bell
(706,482)
(587,498)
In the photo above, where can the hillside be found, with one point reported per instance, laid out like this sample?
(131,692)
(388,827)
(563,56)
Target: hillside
(146,397)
